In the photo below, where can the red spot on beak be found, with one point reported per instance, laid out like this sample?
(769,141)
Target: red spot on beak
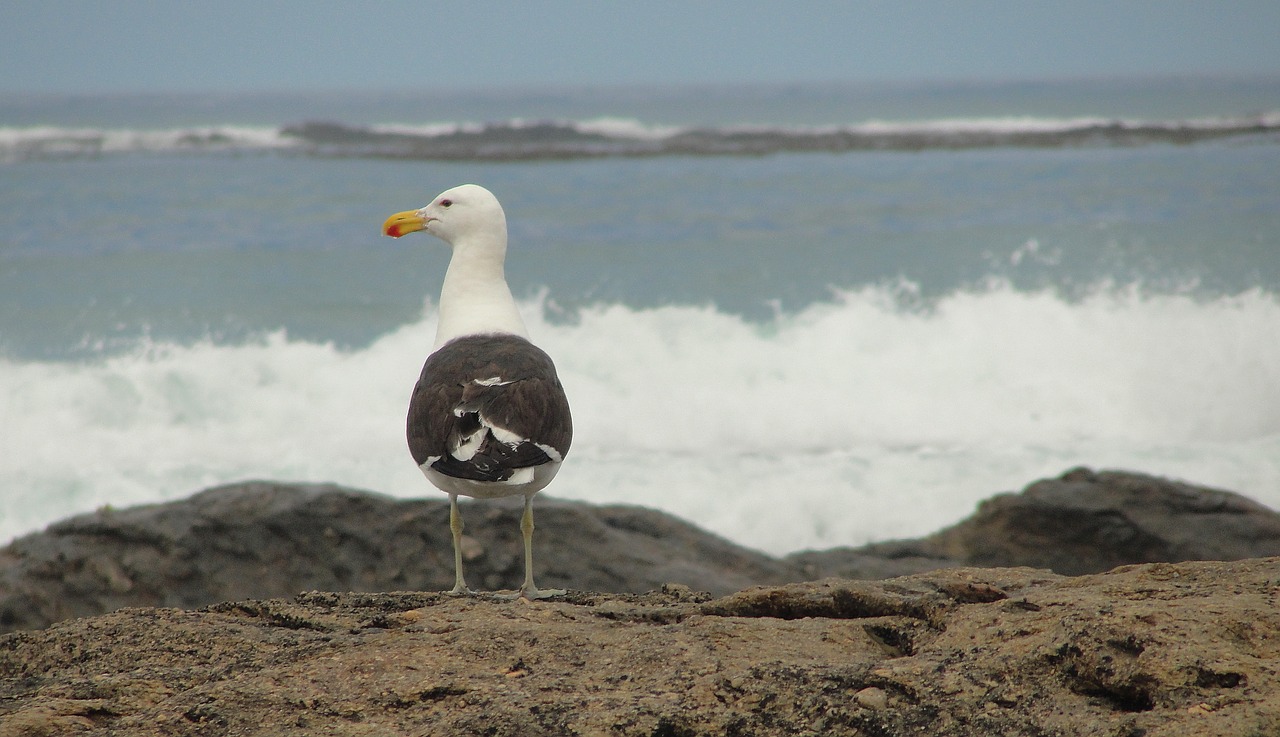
(403,223)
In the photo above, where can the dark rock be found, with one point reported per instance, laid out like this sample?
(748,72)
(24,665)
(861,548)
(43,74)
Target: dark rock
(1081,522)
(261,540)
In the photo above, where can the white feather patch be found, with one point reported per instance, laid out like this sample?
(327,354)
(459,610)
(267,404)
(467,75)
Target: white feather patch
(493,381)
(502,434)
(468,447)
(521,476)
(552,453)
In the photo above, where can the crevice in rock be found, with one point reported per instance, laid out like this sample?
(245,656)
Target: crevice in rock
(275,617)
(1129,696)
(1206,678)
(897,640)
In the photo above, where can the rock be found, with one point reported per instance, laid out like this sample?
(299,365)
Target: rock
(1081,522)
(263,540)
(260,539)
(877,560)
(872,698)
(1160,650)
(1085,522)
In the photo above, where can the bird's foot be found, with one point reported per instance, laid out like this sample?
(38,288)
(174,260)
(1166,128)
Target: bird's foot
(460,590)
(533,593)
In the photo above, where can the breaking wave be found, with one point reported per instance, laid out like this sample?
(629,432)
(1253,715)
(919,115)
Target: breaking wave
(518,139)
(852,420)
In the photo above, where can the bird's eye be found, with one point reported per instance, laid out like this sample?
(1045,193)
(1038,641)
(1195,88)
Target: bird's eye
(446,203)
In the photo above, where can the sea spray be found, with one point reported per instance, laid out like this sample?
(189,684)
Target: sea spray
(861,418)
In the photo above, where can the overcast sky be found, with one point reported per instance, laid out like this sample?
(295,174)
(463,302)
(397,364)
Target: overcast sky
(260,45)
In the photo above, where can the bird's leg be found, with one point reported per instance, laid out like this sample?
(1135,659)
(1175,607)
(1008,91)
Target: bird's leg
(529,590)
(455,526)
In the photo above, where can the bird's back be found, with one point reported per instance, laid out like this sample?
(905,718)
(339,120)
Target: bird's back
(488,410)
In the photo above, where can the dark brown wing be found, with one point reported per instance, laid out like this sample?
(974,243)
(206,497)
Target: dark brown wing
(487,405)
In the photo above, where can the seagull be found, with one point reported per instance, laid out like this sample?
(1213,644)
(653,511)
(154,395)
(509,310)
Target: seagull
(488,417)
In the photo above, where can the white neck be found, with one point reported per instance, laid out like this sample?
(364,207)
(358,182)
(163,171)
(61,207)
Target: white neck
(475,297)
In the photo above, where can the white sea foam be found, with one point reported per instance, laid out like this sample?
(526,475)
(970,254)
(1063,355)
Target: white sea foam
(628,128)
(613,127)
(43,142)
(1012,124)
(427,130)
(850,421)
(19,143)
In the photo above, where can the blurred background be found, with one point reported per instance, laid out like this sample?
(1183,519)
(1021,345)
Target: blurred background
(814,275)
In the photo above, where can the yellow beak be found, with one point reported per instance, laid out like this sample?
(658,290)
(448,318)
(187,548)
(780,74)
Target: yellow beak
(403,223)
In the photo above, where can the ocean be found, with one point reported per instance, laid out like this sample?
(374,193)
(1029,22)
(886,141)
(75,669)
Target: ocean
(799,316)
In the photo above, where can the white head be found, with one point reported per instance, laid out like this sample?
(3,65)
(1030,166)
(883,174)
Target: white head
(457,216)
(474,298)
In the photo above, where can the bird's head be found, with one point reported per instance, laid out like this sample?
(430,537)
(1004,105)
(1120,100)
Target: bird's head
(455,214)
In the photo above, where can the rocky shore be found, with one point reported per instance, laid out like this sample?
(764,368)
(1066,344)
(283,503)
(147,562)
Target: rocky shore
(1016,621)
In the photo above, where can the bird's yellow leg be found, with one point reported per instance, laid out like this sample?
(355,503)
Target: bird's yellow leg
(529,590)
(455,526)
